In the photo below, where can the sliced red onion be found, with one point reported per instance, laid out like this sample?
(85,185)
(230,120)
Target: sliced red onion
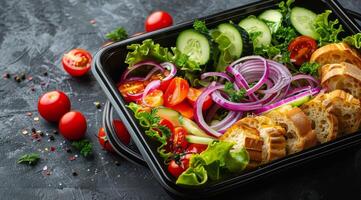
(218,74)
(288,100)
(171,68)
(211,112)
(220,100)
(150,87)
(138,65)
(310,79)
(227,121)
(230,123)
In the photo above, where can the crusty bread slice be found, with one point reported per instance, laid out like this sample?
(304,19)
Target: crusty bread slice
(336,53)
(343,76)
(299,133)
(323,121)
(245,137)
(345,107)
(274,142)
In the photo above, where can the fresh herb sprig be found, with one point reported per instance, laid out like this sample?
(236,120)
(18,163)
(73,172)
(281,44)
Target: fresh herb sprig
(310,68)
(84,146)
(234,95)
(29,159)
(118,34)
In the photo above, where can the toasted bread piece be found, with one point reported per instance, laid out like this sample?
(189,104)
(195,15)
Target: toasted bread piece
(274,142)
(343,76)
(323,121)
(245,137)
(345,107)
(299,133)
(336,53)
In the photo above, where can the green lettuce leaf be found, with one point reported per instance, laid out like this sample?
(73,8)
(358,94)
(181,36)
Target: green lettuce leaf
(328,30)
(354,40)
(213,162)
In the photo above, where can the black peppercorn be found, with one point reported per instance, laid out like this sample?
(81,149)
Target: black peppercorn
(51,137)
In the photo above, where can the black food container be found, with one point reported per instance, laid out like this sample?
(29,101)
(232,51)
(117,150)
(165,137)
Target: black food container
(109,64)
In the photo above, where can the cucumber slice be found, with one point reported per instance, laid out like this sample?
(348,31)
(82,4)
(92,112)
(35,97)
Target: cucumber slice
(300,101)
(302,20)
(195,45)
(230,31)
(198,140)
(192,127)
(253,26)
(170,115)
(273,18)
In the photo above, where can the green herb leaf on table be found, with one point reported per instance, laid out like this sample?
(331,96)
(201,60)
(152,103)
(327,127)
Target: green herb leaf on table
(30,159)
(118,34)
(354,40)
(200,26)
(328,30)
(310,68)
(84,146)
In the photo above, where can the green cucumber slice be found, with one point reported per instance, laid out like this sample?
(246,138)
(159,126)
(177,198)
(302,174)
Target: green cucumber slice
(302,20)
(170,115)
(253,26)
(273,18)
(192,127)
(198,140)
(195,45)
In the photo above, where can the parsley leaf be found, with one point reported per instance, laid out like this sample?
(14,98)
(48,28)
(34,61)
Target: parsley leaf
(200,26)
(354,40)
(328,30)
(29,159)
(117,35)
(84,146)
(310,68)
(235,96)
(285,9)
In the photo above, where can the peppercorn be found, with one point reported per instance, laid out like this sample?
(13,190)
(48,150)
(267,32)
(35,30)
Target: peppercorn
(17,79)
(75,174)
(51,137)
(97,104)
(22,76)
(45,73)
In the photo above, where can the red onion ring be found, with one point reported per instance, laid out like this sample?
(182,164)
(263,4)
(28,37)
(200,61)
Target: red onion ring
(218,74)
(138,65)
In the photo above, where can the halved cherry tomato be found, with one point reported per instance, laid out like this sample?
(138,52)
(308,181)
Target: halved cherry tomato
(53,105)
(77,62)
(121,131)
(154,98)
(184,108)
(177,167)
(103,140)
(130,88)
(160,76)
(176,92)
(301,49)
(178,140)
(166,123)
(158,20)
(196,148)
(193,95)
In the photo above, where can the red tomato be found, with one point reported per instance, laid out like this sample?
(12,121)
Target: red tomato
(103,140)
(161,76)
(77,62)
(301,49)
(166,123)
(177,167)
(154,98)
(193,95)
(176,92)
(53,105)
(185,109)
(158,20)
(196,148)
(177,141)
(73,125)
(121,131)
(129,89)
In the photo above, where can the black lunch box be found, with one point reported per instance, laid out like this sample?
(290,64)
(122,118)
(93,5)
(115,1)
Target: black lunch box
(109,63)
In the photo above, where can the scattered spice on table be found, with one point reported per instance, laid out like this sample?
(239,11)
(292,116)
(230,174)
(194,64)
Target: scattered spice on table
(17,79)
(24,132)
(22,76)
(71,158)
(117,163)
(36,119)
(74,173)
(45,73)
(55,132)
(51,137)
(97,104)
(6,75)
(52,148)
(29,114)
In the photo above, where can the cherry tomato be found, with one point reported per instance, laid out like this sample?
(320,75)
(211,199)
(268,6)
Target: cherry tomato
(176,92)
(167,123)
(177,142)
(158,20)
(193,95)
(53,105)
(177,167)
(154,98)
(103,140)
(196,148)
(129,89)
(121,131)
(161,76)
(301,49)
(185,109)
(73,125)
(77,62)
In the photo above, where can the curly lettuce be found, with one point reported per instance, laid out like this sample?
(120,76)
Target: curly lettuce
(214,161)
(327,29)
(354,40)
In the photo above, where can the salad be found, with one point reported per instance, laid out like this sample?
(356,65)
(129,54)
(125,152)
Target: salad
(241,94)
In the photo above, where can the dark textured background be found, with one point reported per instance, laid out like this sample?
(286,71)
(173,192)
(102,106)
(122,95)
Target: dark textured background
(34,35)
